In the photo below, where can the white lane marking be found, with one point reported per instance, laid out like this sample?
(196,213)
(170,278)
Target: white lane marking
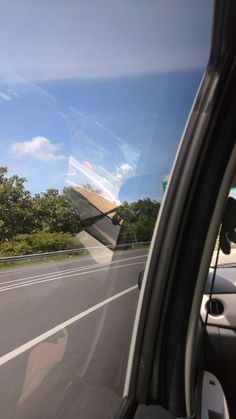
(35,282)
(31,343)
(78,269)
(45,265)
(49,274)
(51,263)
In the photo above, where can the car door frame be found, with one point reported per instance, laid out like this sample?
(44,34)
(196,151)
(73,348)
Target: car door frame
(161,364)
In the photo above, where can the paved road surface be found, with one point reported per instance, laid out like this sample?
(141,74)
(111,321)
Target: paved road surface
(65,333)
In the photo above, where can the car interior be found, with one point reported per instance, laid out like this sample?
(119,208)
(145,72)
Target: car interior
(183,364)
(218,315)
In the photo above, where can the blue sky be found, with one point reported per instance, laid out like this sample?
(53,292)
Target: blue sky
(107,83)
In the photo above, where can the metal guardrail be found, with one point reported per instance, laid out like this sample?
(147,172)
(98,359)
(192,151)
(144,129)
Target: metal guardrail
(69,252)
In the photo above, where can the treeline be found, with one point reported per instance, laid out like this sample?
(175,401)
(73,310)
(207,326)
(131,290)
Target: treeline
(49,221)
(137,219)
(28,224)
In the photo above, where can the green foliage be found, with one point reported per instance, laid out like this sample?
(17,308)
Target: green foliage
(21,213)
(54,212)
(16,214)
(24,244)
(48,221)
(74,243)
(138,220)
(28,224)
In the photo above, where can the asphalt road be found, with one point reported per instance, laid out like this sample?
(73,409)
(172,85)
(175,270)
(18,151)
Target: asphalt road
(65,330)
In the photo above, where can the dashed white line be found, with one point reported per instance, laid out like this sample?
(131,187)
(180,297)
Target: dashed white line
(33,342)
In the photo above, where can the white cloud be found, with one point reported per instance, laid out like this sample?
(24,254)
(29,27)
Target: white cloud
(4,96)
(39,148)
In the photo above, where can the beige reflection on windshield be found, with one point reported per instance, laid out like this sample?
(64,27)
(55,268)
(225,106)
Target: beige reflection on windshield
(42,359)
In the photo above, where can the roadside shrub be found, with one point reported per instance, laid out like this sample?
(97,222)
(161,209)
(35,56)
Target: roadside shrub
(41,242)
(74,243)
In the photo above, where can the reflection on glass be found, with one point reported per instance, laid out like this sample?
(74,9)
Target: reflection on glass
(42,359)
(93,100)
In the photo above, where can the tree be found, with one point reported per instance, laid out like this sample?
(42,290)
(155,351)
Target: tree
(137,218)
(54,212)
(16,215)
(20,213)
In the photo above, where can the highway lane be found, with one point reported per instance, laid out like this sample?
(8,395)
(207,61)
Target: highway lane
(53,265)
(75,362)
(12,276)
(79,370)
(84,375)
(38,306)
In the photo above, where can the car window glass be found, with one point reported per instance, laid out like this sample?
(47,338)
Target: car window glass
(94,97)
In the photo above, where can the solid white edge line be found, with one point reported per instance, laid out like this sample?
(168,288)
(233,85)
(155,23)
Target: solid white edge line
(33,342)
(51,263)
(35,282)
(43,265)
(78,269)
